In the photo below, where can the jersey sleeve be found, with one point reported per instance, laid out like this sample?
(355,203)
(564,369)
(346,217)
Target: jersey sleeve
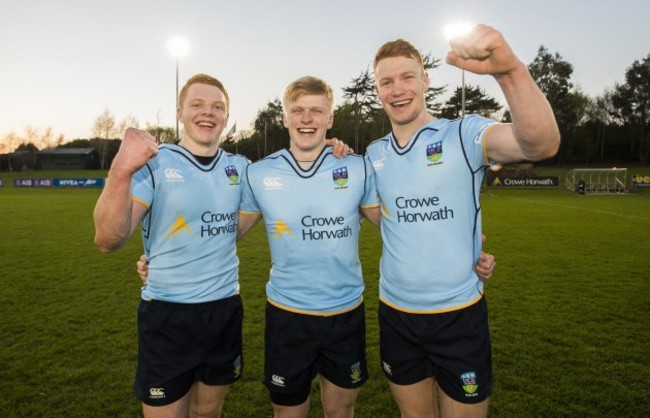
(474,131)
(248,202)
(142,185)
(370,196)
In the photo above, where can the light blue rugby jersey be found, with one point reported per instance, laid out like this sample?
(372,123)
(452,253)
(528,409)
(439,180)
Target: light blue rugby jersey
(190,229)
(312,224)
(431,214)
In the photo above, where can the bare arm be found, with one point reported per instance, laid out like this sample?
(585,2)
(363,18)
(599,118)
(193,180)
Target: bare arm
(533,133)
(115,215)
(373,214)
(247,220)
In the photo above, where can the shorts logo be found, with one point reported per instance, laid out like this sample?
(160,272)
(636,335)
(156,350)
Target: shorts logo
(237,366)
(173,174)
(434,151)
(272,183)
(232,174)
(355,372)
(386,367)
(469,384)
(156,393)
(340,176)
(277,380)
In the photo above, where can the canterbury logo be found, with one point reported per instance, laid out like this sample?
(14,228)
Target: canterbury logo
(378,164)
(157,392)
(277,380)
(173,174)
(387,368)
(272,183)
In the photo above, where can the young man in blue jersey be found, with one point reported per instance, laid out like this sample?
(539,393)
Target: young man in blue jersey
(310,203)
(434,337)
(187,199)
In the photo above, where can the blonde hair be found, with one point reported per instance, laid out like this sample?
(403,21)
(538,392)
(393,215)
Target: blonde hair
(398,48)
(202,79)
(308,85)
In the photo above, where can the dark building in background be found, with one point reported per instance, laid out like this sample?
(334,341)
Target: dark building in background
(17,161)
(67,159)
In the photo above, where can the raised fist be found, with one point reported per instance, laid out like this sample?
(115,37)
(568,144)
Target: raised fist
(482,51)
(137,148)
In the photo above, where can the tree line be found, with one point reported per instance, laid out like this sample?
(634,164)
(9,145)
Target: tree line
(612,127)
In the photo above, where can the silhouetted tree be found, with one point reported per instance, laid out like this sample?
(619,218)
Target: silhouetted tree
(476,101)
(269,131)
(552,74)
(363,102)
(631,102)
(103,129)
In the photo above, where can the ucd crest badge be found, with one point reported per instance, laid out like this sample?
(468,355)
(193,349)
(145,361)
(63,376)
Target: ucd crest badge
(434,151)
(237,366)
(232,174)
(469,383)
(355,372)
(340,176)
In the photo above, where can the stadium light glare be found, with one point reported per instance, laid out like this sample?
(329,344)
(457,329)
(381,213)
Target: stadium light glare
(456,29)
(452,31)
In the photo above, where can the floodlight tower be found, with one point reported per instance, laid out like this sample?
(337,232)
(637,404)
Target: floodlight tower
(452,31)
(178,48)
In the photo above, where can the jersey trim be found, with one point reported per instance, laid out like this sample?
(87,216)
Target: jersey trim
(435,311)
(376,205)
(403,150)
(312,313)
(142,202)
(248,212)
(188,155)
(475,193)
(486,158)
(295,166)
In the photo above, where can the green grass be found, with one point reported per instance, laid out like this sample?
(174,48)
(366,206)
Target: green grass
(569,306)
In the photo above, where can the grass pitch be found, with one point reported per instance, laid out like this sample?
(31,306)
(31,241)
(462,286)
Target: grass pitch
(569,306)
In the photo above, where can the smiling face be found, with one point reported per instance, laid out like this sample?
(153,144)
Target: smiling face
(203,111)
(308,104)
(401,83)
(308,118)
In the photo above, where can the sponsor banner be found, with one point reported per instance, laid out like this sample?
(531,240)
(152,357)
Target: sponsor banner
(31,182)
(641,181)
(78,182)
(505,181)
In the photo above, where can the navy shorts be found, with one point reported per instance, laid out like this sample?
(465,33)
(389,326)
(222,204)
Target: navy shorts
(299,346)
(180,344)
(452,347)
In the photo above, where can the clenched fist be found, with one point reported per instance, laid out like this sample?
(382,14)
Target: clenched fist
(482,51)
(137,148)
